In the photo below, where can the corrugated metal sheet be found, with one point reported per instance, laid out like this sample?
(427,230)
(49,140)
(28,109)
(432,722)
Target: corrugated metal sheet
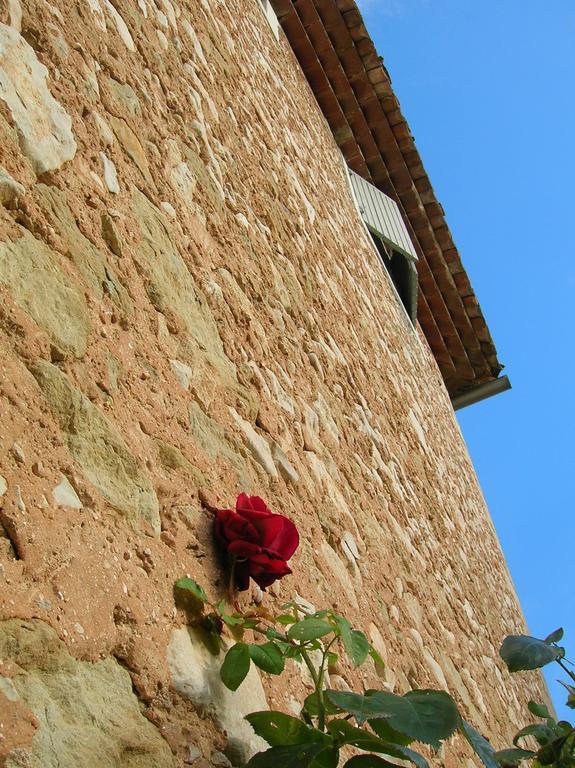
(382,215)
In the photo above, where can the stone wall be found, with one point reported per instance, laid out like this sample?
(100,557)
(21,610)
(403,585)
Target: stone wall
(190,307)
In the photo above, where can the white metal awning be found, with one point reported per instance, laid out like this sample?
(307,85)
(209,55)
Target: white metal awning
(382,215)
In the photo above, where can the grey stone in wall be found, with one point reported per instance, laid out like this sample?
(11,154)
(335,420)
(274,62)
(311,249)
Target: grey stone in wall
(87,715)
(97,447)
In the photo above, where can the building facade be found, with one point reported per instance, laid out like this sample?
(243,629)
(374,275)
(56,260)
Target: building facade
(195,302)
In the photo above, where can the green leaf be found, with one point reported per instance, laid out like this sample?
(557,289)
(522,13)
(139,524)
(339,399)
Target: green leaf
(554,637)
(331,659)
(345,733)
(329,758)
(189,585)
(309,629)
(540,710)
(355,642)
(387,733)
(359,647)
(236,666)
(280,730)
(379,662)
(267,657)
(571,690)
(480,745)
(542,733)
(523,652)
(426,715)
(286,619)
(361,707)
(513,756)
(231,621)
(311,706)
(295,756)
(368,761)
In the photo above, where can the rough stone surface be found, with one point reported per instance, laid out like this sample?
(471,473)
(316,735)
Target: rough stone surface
(65,496)
(196,676)
(83,711)
(220,323)
(10,189)
(97,447)
(44,127)
(37,283)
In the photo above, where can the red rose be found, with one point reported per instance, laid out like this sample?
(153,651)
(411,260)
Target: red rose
(260,541)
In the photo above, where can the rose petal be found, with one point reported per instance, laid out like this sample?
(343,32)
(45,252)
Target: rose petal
(285,541)
(268,528)
(240,548)
(265,569)
(251,507)
(230,526)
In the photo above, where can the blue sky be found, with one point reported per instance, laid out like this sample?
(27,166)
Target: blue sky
(487,89)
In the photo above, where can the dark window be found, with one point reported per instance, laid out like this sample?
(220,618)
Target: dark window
(403,274)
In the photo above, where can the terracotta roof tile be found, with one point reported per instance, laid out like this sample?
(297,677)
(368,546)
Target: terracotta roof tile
(354,91)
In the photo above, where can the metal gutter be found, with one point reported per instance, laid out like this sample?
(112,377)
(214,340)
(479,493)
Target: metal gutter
(481,392)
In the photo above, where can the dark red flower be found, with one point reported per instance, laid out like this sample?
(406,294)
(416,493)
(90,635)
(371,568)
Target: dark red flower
(260,541)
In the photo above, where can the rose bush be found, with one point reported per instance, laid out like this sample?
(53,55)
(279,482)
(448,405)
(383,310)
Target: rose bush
(260,541)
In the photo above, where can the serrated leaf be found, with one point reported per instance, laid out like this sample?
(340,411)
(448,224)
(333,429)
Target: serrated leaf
(571,690)
(540,710)
(345,733)
(358,705)
(189,585)
(368,761)
(236,666)
(540,732)
(384,730)
(355,642)
(231,621)
(295,756)
(424,715)
(309,629)
(267,657)
(286,619)
(480,745)
(359,647)
(555,636)
(521,652)
(280,730)
(513,756)
(379,662)
(311,706)
(332,659)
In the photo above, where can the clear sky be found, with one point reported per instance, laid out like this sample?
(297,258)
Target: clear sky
(487,88)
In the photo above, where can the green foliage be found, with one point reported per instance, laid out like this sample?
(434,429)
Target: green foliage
(189,585)
(511,757)
(571,691)
(236,666)
(267,657)
(540,710)
(427,716)
(479,744)
(280,730)
(555,636)
(311,628)
(368,761)
(295,756)
(521,652)
(386,724)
